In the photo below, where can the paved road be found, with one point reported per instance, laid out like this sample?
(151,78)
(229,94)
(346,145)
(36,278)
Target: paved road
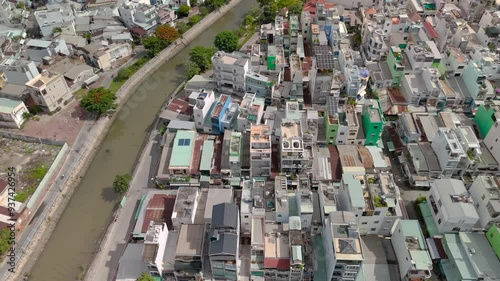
(105,264)
(73,159)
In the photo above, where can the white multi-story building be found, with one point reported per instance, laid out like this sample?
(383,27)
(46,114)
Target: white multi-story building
(488,61)
(491,140)
(374,200)
(294,156)
(137,13)
(54,17)
(202,102)
(260,151)
(422,54)
(50,91)
(342,244)
(472,147)
(411,252)
(186,204)
(250,112)
(349,126)
(451,206)
(448,150)
(486,196)
(230,71)
(18,72)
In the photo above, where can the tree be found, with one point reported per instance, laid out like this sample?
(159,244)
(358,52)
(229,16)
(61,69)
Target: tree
(193,2)
(204,11)
(145,277)
(191,69)
(215,4)
(194,20)
(202,57)
(154,45)
(99,100)
(56,30)
(248,20)
(182,27)
(122,183)
(226,41)
(123,74)
(183,11)
(166,32)
(4,240)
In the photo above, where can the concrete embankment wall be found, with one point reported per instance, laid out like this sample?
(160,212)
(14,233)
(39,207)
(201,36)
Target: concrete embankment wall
(100,130)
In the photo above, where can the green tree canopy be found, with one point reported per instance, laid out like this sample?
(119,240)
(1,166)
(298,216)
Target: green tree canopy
(122,183)
(4,240)
(123,74)
(202,57)
(226,41)
(183,11)
(193,2)
(194,20)
(248,20)
(99,100)
(154,45)
(215,4)
(191,69)
(181,27)
(145,277)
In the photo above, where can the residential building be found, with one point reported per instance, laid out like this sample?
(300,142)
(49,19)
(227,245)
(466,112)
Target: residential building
(135,13)
(485,118)
(349,126)
(373,122)
(407,128)
(342,245)
(295,158)
(452,206)
(216,196)
(50,91)
(491,139)
(488,61)
(217,115)
(475,80)
(181,159)
(55,16)
(276,252)
(155,243)
(281,203)
(251,111)
(186,204)
(18,72)
(472,147)
(224,241)
(202,101)
(493,236)
(188,261)
(38,50)
(457,61)
(396,66)
(423,54)
(411,252)
(234,153)
(260,151)
(469,257)
(12,113)
(230,71)
(322,68)
(486,196)
(261,84)
(104,57)
(6,12)
(449,151)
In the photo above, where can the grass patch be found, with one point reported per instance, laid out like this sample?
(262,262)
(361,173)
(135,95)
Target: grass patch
(35,175)
(115,86)
(80,93)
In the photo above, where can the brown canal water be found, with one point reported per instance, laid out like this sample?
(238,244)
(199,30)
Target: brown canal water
(75,238)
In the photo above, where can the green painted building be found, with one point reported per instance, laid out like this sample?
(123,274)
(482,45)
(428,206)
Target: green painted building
(271,57)
(373,122)
(484,118)
(394,61)
(493,236)
(331,128)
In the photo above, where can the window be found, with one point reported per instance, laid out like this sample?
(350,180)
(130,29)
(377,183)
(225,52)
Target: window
(375,127)
(364,222)
(246,216)
(376,221)
(376,213)
(388,221)
(491,235)
(440,203)
(439,221)
(373,229)
(483,197)
(456,229)
(341,133)
(477,205)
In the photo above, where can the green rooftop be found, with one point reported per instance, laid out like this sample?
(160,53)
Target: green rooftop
(182,149)
(429,221)
(412,228)
(8,105)
(206,156)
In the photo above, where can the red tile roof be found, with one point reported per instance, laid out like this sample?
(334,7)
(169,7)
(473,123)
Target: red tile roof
(415,17)
(370,11)
(277,263)
(3,185)
(335,163)
(178,105)
(396,96)
(159,210)
(431,32)
(196,157)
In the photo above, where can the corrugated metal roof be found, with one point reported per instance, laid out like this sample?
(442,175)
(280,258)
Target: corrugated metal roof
(225,215)
(206,155)
(38,43)
(8,105)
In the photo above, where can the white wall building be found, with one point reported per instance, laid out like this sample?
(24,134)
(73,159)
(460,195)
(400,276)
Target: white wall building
(202,102)
(451,206)
(18,72)
(54,17)
(230,71)
(136,13)
(411,252)
(250,112)
(186,204)
(486,196)
(448,150)
(260,151)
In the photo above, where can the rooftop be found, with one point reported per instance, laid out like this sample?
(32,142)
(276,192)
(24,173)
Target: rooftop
(182,149)
(8,105)
(456,201)
(216,196)
(190,241)
(185,202)
(346,240)
(260,133)
(43,79)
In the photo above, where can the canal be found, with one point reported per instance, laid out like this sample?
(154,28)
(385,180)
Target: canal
(74,239)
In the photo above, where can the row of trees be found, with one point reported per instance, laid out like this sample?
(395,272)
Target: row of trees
(271,8)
